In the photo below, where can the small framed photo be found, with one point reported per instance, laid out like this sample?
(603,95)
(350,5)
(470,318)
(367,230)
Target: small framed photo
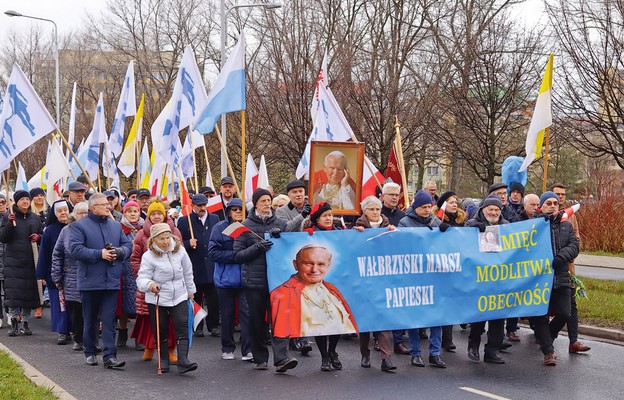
(336,175)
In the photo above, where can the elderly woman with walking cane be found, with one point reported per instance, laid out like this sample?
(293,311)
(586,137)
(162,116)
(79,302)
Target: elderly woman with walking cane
(166,277)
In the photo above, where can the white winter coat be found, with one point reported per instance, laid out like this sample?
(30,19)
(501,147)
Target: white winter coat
(171,270)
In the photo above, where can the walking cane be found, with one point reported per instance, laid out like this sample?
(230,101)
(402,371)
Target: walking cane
(158,333)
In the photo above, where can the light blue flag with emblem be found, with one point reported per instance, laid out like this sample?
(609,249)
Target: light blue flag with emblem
(98,135)
(189,95)
(24,118)
(125,108)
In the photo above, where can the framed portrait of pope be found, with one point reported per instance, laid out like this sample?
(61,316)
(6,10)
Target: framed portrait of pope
(336,175)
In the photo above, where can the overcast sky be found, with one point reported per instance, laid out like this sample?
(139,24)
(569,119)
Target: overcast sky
(69,14)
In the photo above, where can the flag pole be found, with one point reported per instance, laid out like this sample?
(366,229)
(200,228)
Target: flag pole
(399,148)
(138,161)
(243,160)
(227,159)
(182,202)
(107,165)
(193,153)
(546,158)
(75,158)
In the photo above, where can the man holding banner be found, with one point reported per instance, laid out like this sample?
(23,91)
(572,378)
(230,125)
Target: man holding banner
(565,248)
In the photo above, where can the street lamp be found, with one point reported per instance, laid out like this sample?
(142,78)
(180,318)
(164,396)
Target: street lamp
(12,13)
(224,12)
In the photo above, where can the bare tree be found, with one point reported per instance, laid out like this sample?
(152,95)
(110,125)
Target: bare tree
(589,98)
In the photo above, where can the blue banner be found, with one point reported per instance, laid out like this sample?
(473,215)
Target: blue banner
(345,281)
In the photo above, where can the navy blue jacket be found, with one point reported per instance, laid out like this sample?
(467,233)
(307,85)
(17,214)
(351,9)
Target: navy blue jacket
(87,238)
(227,273)
(203,266)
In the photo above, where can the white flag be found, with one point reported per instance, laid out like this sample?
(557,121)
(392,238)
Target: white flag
(263,176)
(57,168)
(97,136)
(37,180)
(125,108)
(322,79)
(251,178)
(209,182)
(24,118)
(20,182)
(72,120)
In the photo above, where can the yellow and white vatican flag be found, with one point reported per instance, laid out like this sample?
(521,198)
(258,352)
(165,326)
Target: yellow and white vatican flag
(127,161)
(542,118)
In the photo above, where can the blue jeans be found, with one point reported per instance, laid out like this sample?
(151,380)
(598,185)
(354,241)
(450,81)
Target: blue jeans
(435,341)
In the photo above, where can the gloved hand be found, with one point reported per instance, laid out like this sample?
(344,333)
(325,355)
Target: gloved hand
(444,226)
(119,253)
(305,211)
(34,237)
(264,245)
(275,233)
(481,226)
(12,219)
(558,262)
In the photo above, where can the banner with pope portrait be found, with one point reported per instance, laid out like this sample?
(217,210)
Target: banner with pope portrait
(348,281)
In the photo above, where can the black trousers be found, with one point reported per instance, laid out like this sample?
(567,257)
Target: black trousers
(259,307)
(545,332)
(76,320)
(211,301)
(495,334)
(179,315)
(321,343)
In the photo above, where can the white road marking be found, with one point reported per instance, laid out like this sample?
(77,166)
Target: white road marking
(482,393)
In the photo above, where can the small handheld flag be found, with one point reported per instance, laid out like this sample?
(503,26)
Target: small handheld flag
(441,211)
(214,204)
(235,229)
(568,212)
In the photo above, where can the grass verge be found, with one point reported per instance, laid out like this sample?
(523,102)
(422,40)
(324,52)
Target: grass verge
(604,253)
(605,305)
(17,386)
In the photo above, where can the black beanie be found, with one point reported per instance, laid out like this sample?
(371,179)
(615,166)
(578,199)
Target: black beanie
(317,210)
(516,186)
(36,191)
(20,194)
(445,196)
(259,193)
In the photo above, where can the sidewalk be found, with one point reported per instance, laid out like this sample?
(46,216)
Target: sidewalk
(587,260)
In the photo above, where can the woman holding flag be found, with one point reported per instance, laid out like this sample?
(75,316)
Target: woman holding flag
(166,278)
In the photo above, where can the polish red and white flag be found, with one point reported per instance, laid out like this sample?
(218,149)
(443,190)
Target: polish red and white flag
(235,229)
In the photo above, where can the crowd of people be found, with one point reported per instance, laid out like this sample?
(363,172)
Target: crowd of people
(102,262)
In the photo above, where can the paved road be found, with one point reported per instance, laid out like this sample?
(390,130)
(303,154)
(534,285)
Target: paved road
(590,376)
(600,273)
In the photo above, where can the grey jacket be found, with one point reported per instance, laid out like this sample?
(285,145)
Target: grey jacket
(292,216)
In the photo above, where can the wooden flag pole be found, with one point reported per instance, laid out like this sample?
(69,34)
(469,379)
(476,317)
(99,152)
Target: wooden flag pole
(16,168)
(546,158)
(399,150)
(227,159)
(243,161)
(107,165)
(138,161)
(75,158)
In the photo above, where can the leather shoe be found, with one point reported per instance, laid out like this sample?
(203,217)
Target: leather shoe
(325,364)
(262,366)
(493,359)
(62,339)
(376,346)
(550,359)
(400,348)
(450,347)
(114,363)
(473,354)
(436,361)
(92,360)
(365,362)
(387,366)
(577,347)
(505,345)
(417,361)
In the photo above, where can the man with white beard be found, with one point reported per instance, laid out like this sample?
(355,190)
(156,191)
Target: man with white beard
(489,214)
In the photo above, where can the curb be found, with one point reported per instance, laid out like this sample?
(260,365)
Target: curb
(37,377)
(613,335)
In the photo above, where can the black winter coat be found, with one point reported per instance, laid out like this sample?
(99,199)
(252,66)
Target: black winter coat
(564,242)
(20,284)
(246,253)
(203,265)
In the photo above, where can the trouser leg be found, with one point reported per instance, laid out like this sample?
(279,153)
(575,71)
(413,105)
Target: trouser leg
(435,340)
(364,343)
(258,329)
(243,319)
(333,343)
(573,321)
(227,306)
(512,325)
(474,337)
(163,323)
(321,343)
(414,341)
(75,315)
(447,335)
(495,334)
(560,304)
(212,306)
(90,310)
(542,333)
(385,344)
(108,307)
